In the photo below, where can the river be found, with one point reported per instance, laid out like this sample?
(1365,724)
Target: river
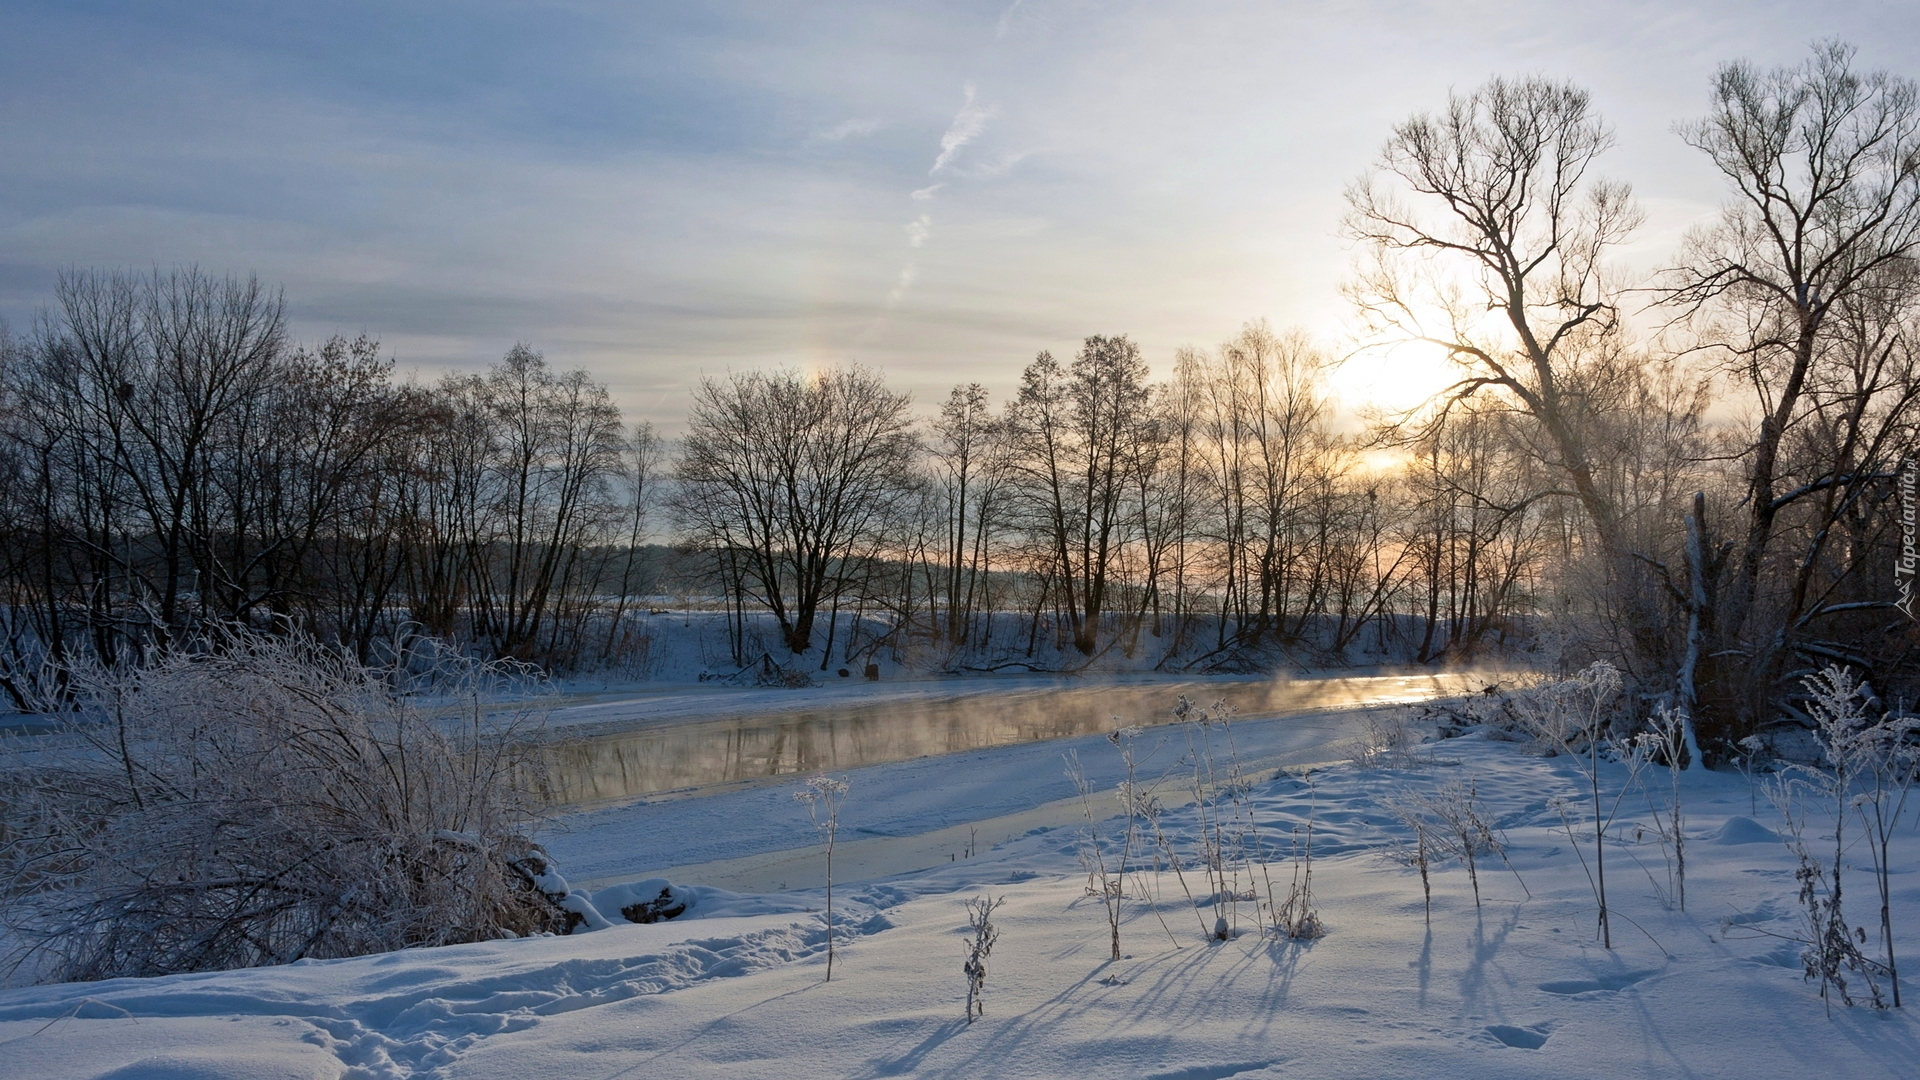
(648,757)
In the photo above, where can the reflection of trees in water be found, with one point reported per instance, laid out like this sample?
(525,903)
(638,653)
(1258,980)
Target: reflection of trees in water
(788,743)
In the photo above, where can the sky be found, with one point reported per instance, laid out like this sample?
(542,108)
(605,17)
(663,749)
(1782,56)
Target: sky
(660,191)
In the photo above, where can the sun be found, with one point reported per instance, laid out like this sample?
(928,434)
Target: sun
(1393,378)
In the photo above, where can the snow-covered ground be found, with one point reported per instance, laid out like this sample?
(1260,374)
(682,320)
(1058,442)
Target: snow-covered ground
(1519,988)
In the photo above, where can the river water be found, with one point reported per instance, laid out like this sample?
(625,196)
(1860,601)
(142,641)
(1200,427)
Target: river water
(699,753)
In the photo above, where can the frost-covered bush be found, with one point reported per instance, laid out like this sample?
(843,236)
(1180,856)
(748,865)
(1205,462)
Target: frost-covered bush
(1575,717)
(1449,822)
(823,796)
(1666,742)
(1298,917)
(1390,740)
(264,800)
(1104,879)
(980,940)
(1867,766)
(1502,712)
(1229,842)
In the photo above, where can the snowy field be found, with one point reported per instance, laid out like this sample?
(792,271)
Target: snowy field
(1519,988)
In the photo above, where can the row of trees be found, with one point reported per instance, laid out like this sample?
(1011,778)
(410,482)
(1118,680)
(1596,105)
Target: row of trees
(1692,476)
(1214,518)
(171,460)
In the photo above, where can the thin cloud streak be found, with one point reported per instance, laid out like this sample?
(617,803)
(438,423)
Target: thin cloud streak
(1006,19)
(850,129)
(967,124)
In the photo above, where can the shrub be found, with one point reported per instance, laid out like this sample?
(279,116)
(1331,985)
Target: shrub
(1574,717)
(1389,740)
(982,935)
(823,796)
(268,799)
(1448,823)
(1867,766)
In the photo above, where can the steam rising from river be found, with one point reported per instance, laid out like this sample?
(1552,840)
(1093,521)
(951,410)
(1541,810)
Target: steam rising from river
(847,734)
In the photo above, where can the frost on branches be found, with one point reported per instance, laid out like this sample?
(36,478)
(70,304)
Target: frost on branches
(266,799)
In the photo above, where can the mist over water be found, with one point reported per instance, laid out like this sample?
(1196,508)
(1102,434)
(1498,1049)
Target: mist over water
(697,754)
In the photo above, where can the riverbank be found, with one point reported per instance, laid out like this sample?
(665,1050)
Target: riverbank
(1515,985)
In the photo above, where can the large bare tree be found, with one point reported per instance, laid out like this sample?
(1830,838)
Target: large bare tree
(1806,285)
(792,477)
(1488,236)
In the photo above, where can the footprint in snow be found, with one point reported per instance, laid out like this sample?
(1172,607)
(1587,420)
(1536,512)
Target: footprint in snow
(1522,1038)
(1597,984)
(1213,1072)
(1766,912)
(1786,956)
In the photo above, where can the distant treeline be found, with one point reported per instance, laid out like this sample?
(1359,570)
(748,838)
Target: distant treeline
(1715,508)
(172,458)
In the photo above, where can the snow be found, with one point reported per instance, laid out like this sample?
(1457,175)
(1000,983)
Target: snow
(733,987)
(1744,830)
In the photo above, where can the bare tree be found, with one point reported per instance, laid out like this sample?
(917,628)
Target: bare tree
(1472,531)
(513,487)
(642,460)
(1269,468)
(968,453)
(1077,436)
(1805,284)
(137,385)
(291,463)
(172,460)
(1504,219)
(560,446)
(794,475)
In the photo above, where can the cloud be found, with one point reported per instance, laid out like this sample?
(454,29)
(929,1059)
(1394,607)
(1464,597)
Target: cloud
(967,123)
(848,129)
(907,274)
(999,166)
(925,193)
(918,231)
(1006,19)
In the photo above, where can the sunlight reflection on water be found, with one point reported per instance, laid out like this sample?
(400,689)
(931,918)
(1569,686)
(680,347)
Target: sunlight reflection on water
(702,753)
